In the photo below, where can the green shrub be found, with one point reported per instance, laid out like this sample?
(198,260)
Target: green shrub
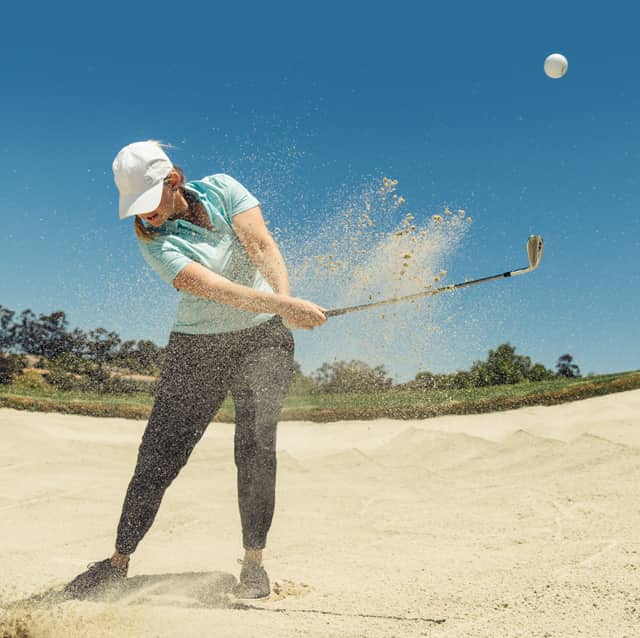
(350,376)
(540,373)
(61,380)
(98,380)
(70,362)
(10,366)
(31,380)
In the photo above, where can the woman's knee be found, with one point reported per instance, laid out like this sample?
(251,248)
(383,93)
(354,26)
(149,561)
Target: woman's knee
(255,455)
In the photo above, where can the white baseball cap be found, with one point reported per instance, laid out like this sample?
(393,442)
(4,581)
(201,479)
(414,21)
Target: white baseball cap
(139,170)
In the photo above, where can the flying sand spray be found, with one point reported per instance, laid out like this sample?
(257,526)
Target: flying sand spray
(535,247)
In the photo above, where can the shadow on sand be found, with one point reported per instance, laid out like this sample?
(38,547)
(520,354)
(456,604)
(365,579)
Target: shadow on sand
(202,590)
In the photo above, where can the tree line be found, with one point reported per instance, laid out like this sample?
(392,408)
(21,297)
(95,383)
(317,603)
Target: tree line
(86,360)
(48,336)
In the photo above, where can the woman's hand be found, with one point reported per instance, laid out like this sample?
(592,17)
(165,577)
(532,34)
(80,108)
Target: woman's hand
(299,313)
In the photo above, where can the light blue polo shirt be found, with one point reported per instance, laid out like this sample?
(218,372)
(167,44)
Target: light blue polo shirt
(179,243)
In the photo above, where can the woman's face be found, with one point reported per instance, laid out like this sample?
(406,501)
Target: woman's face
(165,208)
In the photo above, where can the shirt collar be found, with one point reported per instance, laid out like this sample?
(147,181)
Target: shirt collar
(172,225)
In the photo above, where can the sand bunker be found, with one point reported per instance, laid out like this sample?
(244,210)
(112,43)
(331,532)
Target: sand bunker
(522,523)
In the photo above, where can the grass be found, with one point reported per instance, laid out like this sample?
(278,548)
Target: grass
(394,403)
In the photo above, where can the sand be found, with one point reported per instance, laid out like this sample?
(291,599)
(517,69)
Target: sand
(521,523)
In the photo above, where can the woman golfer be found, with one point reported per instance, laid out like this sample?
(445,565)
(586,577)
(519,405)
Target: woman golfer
(207,238)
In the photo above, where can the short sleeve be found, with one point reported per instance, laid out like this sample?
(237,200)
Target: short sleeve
(236,198)
(165,259)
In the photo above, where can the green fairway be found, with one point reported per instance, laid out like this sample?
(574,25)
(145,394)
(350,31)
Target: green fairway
(393,403)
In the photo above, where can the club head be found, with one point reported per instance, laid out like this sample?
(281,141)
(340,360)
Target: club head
(535,248)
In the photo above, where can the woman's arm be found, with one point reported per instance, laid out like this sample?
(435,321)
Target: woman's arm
(251,230)
(202,282)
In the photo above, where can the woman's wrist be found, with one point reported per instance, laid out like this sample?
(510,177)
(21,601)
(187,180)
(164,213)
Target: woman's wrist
(281,302)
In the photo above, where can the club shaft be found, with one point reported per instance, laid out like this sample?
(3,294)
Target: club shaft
(425,293)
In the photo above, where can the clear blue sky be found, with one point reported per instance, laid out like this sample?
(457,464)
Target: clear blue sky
(310,104)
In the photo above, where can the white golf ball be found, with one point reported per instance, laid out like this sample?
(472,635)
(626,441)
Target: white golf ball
(556,65)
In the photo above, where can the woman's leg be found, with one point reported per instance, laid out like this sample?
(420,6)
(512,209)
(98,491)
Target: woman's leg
(259,386)
(191,389)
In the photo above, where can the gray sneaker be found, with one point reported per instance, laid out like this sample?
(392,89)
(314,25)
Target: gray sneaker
(96,579)
(254,581)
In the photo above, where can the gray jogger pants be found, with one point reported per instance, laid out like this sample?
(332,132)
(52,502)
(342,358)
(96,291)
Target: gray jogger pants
(256,366)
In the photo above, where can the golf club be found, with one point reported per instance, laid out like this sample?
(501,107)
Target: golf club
(535,247)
